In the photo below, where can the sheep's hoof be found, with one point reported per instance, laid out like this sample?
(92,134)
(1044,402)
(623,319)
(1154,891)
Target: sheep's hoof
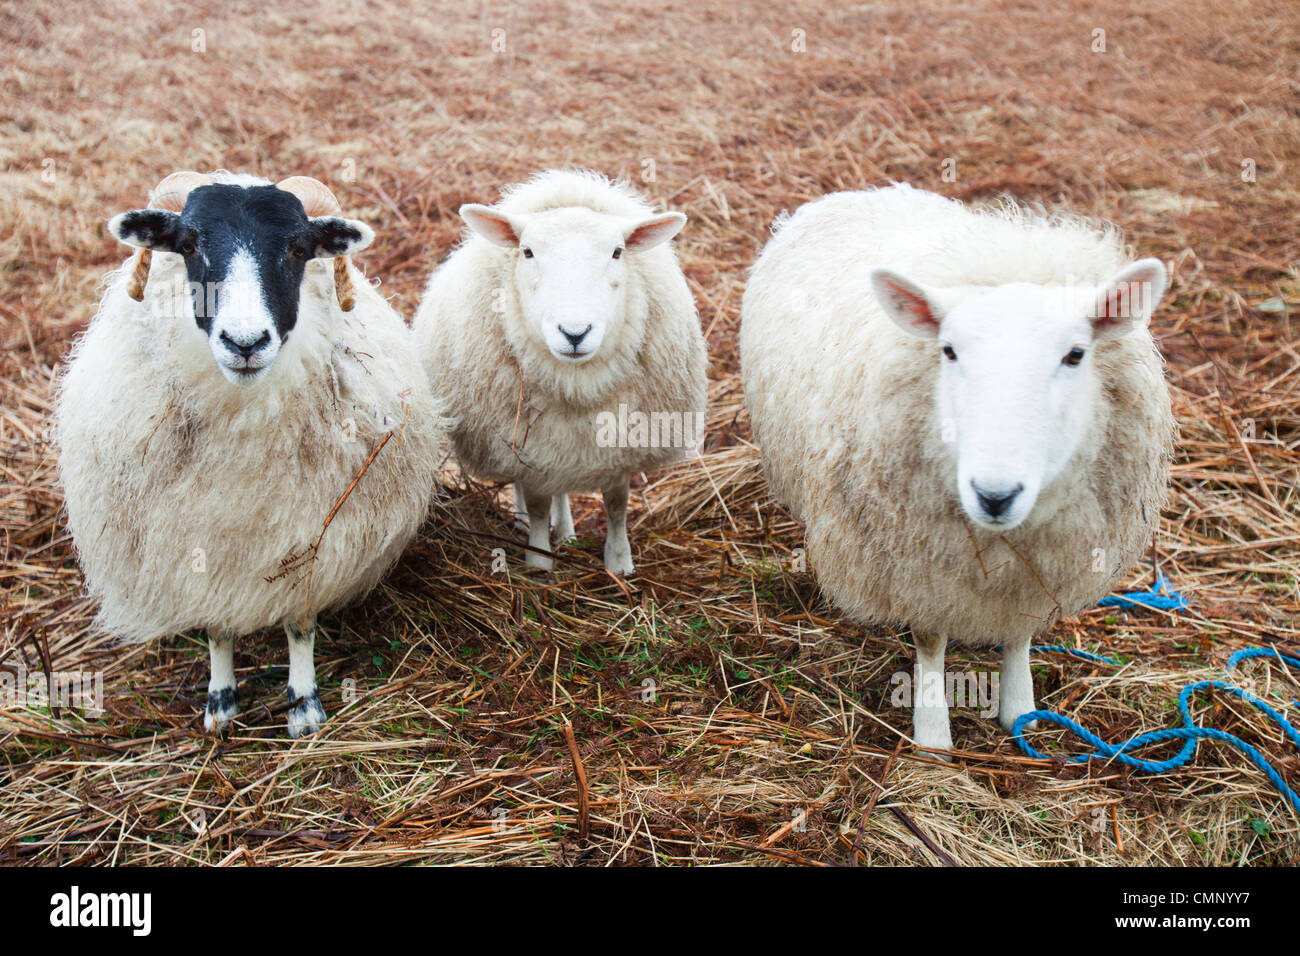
(539,561)
(306,715)
(563,532)
(932,748)
(935,755)
(617,563)
(930,740)
(222,707)
(1009,725)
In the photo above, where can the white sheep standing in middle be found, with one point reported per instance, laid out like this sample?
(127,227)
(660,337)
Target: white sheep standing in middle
(563,316)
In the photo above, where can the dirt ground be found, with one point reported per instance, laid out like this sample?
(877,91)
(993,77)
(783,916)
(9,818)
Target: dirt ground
(720,711)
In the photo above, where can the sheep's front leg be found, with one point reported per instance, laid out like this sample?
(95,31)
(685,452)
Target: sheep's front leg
(930,725)
(538,510)
(223,701)
(1016,684)
(521,512)
(618,553)
(306,715)
(561,518)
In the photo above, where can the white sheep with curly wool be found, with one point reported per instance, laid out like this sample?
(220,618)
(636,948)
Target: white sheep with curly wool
(967,411)
(565,310)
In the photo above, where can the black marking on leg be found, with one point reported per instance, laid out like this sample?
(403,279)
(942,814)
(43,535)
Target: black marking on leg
(295,698)
(222,706)
(306,714)
(222,701)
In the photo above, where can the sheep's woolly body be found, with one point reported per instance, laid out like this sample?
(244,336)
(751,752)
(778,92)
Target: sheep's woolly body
(520,414)
(843,405)
(185,493)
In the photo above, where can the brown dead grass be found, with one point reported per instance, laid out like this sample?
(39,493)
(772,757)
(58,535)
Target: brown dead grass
(450,687)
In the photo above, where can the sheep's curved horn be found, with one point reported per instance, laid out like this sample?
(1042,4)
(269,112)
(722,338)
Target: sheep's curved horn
(319,200)
(172,192)
(169,194)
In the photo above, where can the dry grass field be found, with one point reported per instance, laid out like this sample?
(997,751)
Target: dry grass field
(719,711)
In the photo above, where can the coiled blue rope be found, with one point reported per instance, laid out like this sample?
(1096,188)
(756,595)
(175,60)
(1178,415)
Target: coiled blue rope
(1190,732)
(1160,597)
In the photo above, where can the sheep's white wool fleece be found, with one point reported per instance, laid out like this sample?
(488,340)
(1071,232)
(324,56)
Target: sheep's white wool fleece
(843,405)
(185,492)
(523,415)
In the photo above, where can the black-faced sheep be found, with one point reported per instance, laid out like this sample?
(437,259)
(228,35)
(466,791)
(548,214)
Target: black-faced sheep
(238,375)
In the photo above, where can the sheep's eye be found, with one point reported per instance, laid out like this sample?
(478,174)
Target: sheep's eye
(528,253)
(297,253)
(1073,357)
(618,253)
(949,354)
(187,248)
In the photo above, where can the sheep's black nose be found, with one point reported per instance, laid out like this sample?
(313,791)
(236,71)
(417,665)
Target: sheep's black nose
(575,338)
(245,345)
(995,503)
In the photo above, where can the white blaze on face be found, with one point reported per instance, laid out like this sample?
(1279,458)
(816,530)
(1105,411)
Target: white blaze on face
(569,280)
(1017,385)
(571,269)
(1017,409)
(243,337)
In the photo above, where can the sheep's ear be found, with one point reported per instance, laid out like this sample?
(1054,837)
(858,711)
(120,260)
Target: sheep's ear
(336,236)
(912,307)
(1126,302)
(147,228)
(656,230)
(492,224)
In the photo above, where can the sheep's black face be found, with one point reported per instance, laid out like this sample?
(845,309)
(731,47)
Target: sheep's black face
(245,251)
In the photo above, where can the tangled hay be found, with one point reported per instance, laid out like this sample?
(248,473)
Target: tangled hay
(712,708)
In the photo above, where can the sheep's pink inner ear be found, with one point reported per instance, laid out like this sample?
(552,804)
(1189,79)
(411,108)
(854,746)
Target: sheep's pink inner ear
(490,224)
(651,232)
(1127,301)
(906,304)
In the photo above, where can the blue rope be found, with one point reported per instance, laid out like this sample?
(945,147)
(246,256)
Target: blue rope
(1190,732)
(1159,597)
(1075,652)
